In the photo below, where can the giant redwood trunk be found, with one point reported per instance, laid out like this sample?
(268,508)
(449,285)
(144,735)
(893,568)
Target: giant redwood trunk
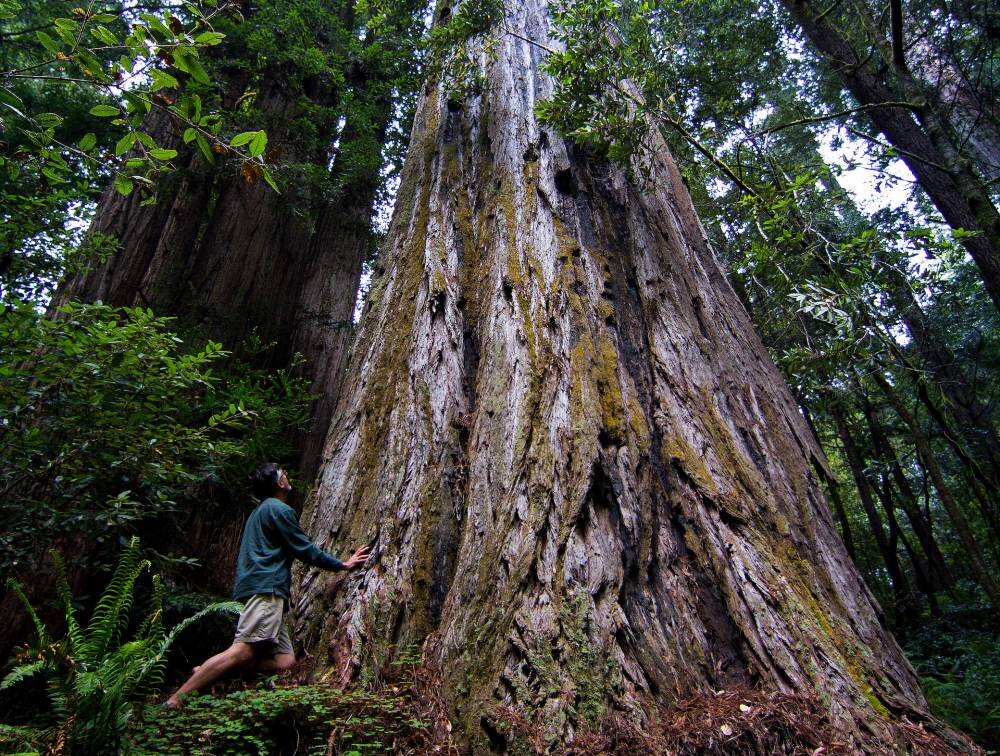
(587,486)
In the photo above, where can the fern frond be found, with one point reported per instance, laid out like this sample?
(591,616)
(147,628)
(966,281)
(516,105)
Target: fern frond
(21,738)
(40,630)
(111,614)
(87,684)
(21,672)
(125,673)
(93,677)
(73,630)
(234,607)
(59,697)
(152,626)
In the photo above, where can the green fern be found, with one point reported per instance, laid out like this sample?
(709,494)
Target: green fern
(152,626)
(94,675)
(74,633)
(22,739)
(22,672)
(40,629)
(111,615)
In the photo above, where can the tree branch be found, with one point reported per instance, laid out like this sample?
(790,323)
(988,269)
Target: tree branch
(829,117)
(896,24)
(880,143)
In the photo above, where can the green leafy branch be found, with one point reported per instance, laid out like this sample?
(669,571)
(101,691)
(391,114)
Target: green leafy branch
(142,78)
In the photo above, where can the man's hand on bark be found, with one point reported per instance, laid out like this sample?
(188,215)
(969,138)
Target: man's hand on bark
(358,558)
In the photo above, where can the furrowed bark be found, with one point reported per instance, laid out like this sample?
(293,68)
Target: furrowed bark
(587,486)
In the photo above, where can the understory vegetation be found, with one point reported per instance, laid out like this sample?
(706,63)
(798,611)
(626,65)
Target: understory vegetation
(306,719)
(126,434)
(94,676)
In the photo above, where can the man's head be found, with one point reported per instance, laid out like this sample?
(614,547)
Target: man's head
(269,480)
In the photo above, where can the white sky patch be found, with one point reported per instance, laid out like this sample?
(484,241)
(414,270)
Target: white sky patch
(334,150)
(380,223)
(871,187)
(359,302)
(383,213)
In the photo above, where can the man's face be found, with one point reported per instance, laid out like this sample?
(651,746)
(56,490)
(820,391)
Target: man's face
(283,482)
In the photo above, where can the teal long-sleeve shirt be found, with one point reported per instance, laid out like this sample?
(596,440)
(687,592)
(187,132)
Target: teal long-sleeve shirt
(272,540)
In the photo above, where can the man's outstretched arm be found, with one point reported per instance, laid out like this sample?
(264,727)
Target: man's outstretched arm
(303,548)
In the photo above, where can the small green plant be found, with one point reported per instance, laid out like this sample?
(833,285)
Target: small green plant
(94,676)
(592,671)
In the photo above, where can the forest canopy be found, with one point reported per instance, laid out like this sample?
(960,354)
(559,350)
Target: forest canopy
(455,267)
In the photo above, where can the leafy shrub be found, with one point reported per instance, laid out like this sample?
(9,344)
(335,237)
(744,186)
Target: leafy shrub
(21,739)
(106,421)
(93,675)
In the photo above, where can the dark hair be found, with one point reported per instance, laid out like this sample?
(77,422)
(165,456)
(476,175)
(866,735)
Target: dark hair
(264,481)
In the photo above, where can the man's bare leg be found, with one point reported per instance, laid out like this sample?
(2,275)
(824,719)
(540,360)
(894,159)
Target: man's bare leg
(236,656)
(276,663)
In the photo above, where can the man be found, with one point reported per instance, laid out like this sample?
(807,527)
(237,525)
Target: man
(272,539)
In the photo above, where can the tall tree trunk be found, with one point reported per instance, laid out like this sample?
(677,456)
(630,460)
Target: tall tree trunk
(587,486)
(921,568)
(974,471)
(909,611)
(246,266)
(845,525)
(237,261)
(938,573)
(833,485)
(966,99)
(977,565)
(949,182)
(974,417)
(982,475)
(886,545)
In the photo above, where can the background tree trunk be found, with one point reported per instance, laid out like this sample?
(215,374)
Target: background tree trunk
(886,543)
(237,261)
(949,183)
(977,564)
(586,484)
(974,118)
(937,569)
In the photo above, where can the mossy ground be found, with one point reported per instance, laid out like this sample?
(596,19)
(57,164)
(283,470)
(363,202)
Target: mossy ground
(400,715)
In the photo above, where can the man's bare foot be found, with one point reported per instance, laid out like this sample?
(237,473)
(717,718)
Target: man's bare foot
(173,703)
(195,669)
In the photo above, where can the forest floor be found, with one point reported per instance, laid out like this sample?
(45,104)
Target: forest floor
(404,713)
(400,709)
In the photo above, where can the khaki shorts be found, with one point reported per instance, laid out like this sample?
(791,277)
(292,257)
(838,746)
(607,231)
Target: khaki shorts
(261,622)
